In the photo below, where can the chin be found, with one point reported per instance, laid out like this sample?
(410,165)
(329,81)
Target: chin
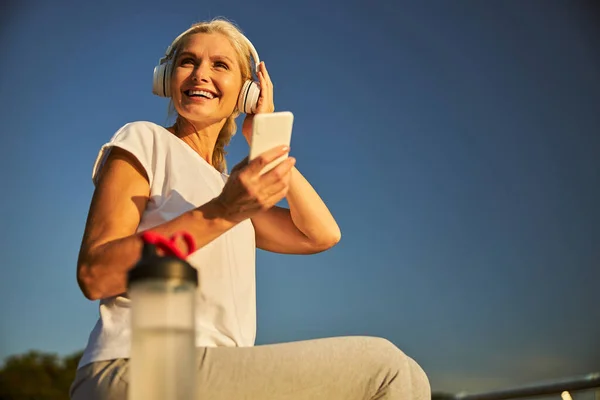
(201,116)
(204,114)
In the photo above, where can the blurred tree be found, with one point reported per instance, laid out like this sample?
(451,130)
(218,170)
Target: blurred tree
(36,375)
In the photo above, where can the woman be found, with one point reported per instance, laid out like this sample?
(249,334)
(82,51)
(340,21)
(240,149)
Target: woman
(172,179)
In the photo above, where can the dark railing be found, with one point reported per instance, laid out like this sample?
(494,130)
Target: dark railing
(586,382)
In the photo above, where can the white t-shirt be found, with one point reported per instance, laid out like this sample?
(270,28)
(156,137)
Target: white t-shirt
(181,180)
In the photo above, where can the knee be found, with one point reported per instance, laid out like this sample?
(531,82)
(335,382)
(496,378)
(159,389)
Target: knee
(387,353)
(421,388)
(401,368)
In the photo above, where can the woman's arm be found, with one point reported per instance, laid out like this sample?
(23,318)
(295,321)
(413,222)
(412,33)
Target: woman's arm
(110,246)
(306,228)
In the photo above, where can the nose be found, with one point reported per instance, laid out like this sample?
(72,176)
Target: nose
(201,72)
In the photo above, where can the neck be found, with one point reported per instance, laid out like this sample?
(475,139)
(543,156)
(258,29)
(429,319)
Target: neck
(201,138)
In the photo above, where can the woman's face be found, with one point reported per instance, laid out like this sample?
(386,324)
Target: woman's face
(206,78)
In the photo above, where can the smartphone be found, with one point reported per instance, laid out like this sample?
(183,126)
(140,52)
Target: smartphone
(270,130)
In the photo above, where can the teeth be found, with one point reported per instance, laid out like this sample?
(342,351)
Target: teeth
(201,93)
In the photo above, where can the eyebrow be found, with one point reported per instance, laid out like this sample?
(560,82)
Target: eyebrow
(190,54)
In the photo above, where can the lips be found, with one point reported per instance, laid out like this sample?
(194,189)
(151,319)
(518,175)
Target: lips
(204,93)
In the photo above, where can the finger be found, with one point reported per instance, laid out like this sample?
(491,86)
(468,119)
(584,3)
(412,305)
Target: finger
(265,74)
(276,197)
(261,79)
(268,189)
(279,173)
(266,96)
(268,82)
(266,87)
(256,165)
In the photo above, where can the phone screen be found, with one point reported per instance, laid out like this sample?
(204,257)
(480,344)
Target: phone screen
(270,130)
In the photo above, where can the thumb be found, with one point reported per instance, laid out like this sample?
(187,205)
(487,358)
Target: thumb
(240,165)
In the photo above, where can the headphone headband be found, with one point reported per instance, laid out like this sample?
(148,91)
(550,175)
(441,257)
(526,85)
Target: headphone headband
(168,52)
(247,98)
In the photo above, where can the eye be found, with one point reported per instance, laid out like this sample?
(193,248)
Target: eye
(186,61)
(221,64)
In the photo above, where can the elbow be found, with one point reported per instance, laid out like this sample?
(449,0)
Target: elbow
(335,239)
(87,283)
(328,241)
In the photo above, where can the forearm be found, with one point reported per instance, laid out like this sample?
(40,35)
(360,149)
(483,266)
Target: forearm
(103,268)
(309,213)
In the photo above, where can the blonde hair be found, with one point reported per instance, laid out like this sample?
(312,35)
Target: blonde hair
(242,50)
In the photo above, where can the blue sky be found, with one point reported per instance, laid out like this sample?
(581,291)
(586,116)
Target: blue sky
(456,143)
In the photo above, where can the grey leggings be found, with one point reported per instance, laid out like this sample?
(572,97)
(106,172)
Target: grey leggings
(347,368)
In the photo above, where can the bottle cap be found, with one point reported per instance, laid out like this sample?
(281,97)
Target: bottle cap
(172,265)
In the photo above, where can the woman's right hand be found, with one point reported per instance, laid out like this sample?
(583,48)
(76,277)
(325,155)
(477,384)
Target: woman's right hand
(247,192)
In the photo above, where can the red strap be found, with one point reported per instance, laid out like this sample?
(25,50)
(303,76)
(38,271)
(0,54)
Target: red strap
(168,244)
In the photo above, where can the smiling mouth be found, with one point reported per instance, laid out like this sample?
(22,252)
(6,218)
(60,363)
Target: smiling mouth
(199,93)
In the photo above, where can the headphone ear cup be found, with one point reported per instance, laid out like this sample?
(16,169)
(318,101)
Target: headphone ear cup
(161,85)
(248,99)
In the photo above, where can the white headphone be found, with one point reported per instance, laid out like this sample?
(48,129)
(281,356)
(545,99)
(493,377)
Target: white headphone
(161,82)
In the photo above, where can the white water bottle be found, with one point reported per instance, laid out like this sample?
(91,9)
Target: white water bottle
(163,356)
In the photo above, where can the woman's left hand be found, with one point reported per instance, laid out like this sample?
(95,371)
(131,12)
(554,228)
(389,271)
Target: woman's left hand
(265,100)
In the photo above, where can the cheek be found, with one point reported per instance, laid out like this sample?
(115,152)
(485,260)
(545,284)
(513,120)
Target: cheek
(232,86)
(176,79)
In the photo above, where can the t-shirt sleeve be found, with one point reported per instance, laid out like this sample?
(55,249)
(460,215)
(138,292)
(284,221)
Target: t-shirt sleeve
(225,177)
(135,138)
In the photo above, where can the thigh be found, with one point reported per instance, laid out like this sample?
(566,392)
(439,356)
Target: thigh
(333,368)
(102,380)
(345,368)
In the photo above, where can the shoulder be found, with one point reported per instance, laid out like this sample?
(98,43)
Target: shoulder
(142,129)
(141,139)
(145,136)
